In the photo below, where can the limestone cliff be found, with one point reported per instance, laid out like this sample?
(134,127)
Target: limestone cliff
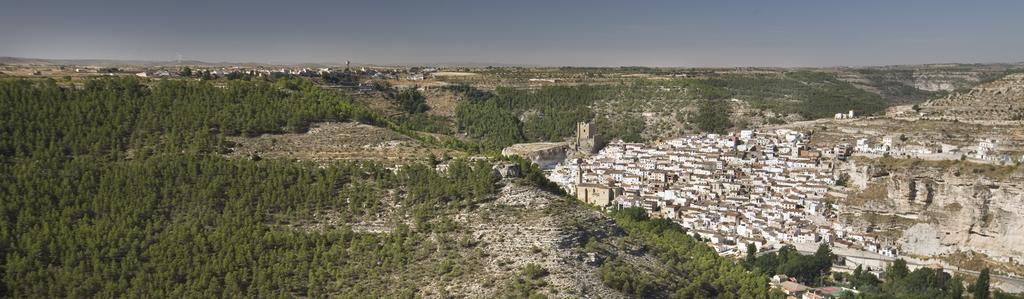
(951,206)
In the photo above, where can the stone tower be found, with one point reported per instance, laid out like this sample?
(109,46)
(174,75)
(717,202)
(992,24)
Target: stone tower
(586,140)
(579,173)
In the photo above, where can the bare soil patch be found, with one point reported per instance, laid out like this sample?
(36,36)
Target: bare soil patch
(337,141)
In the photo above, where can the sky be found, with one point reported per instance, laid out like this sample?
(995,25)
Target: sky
(544,33)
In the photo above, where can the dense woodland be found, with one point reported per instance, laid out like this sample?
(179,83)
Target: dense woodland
(117,188)
(198,225)
(117,118)
(713,116)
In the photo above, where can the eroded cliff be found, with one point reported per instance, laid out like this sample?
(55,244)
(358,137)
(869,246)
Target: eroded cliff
(945,208)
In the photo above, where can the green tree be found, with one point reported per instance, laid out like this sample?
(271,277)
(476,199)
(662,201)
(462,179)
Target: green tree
(861,279)
(897,270)
(751,257)
(823,256)
(981,286)
(713,116)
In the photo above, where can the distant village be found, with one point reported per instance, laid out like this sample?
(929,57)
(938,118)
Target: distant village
(357,79)
(411,74)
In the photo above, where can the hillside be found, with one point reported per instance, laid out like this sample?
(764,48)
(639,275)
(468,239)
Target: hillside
(1000,100)
(129,188)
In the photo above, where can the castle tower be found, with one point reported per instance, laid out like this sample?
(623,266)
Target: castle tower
(586,140)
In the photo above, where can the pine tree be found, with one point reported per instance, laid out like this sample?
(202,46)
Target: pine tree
(981,286)
(751,255)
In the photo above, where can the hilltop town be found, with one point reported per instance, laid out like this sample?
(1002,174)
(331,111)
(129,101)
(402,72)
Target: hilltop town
(773,187)
(761,188)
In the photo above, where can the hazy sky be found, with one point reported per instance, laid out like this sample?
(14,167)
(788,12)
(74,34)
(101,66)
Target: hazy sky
(598,33)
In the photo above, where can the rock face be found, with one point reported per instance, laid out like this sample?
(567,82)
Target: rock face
(985,216)
(958,206)
(544,154)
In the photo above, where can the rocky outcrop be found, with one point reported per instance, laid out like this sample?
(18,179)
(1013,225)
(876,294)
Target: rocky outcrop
(525,225)
(544,154)
(957,206)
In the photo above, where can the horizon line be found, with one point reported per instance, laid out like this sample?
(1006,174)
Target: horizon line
(128,61)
